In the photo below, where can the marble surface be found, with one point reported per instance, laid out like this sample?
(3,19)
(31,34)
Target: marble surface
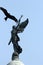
(15,62)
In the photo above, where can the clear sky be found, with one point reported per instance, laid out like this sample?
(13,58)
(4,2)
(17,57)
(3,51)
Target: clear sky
(31,39)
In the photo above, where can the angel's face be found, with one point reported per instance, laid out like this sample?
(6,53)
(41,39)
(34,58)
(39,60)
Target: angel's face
(13,27)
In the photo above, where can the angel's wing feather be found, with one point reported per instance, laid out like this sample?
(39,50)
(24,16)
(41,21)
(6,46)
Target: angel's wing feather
(23,25)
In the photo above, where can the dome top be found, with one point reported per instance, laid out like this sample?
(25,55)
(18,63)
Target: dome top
(15,62)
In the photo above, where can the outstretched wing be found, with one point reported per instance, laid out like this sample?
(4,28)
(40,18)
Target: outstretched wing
(23,25)
(4,10)
(8,15)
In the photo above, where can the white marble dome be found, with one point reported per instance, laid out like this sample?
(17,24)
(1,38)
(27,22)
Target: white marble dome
(15,62)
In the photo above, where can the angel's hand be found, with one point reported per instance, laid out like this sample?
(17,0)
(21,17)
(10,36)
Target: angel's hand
(21,16)
(8,43)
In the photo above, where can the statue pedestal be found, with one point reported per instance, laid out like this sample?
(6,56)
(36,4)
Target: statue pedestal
(15,62)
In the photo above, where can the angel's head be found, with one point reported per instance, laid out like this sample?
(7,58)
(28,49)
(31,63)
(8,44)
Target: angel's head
(13,27)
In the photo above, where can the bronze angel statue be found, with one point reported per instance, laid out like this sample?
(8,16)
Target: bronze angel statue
(15,30)
(14,35)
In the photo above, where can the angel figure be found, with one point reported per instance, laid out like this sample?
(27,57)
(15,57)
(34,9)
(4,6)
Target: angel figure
(14,35)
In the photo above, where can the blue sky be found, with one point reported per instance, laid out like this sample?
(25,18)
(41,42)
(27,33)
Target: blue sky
(31,40)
